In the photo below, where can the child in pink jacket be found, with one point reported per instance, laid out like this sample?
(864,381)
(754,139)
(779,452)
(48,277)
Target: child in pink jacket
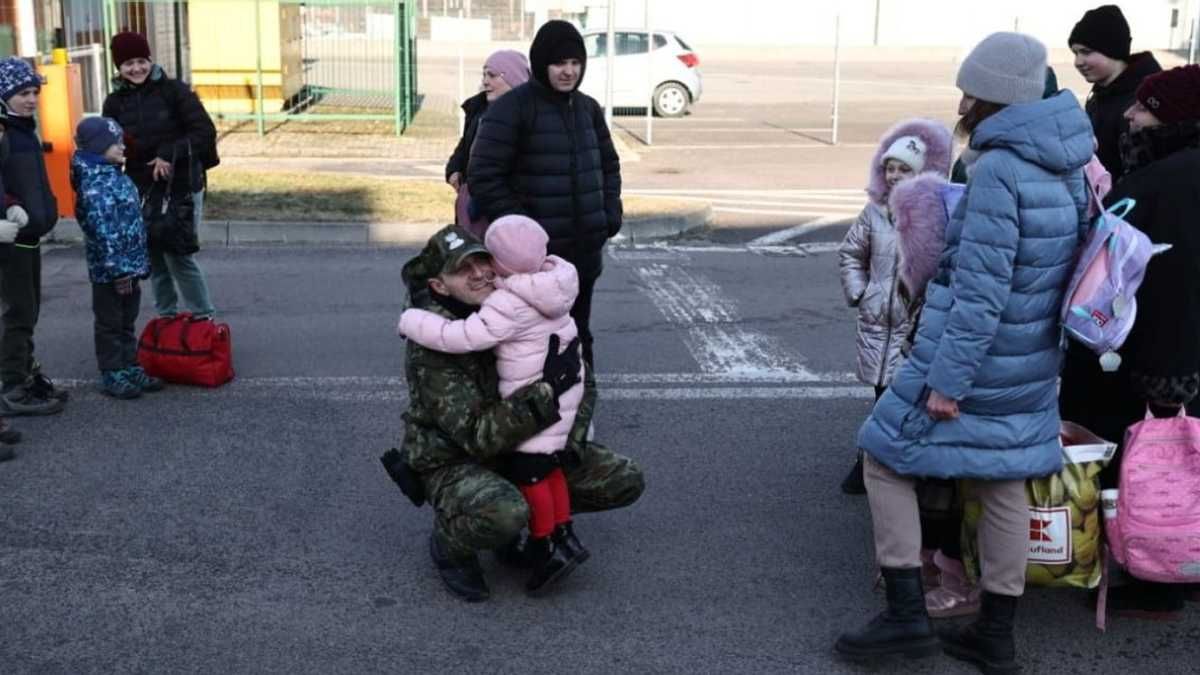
(533,298)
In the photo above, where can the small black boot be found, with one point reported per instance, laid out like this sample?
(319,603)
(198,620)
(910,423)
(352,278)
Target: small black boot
(901,629)
(551,564)
(515,553)
(463,578)
(564,536)
(853,483)
(988,642)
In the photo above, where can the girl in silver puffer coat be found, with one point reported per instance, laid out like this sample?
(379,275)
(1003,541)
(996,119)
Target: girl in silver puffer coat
(870,256)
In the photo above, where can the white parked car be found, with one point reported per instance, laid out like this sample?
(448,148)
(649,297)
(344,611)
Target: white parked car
(674,83)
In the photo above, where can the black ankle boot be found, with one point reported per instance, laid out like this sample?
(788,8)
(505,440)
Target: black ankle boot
(853,483)
(550,564)
(901,629)
(564,536)
(464,577)
(988,642)
(515,553)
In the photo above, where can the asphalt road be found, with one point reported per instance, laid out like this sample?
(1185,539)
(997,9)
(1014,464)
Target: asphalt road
(251,528)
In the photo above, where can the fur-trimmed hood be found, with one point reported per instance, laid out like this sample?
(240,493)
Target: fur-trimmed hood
(919,207)
(938,147)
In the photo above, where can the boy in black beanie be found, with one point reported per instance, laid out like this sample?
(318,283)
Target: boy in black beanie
(1101,42)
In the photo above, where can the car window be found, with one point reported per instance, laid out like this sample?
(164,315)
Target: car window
(683,44)
(631,43)
(660,40)
(596,44)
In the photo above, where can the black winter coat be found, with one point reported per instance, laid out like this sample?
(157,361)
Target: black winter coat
(162,118)
(1106,107)
(474,108)
(549,155)
(26,180)
(1165,340)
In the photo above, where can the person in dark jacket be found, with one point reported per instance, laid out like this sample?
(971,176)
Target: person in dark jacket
(1160,360)
(544,151)
(168,137)
(502,71)
(1100,42)
(10,226)
(25,390)
(109,212)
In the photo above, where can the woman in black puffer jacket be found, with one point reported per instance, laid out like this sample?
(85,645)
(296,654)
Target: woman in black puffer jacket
(168,137)
(544,151)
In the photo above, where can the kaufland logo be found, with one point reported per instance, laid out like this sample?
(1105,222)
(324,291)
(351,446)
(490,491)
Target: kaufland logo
(1037,529)
(1050,535)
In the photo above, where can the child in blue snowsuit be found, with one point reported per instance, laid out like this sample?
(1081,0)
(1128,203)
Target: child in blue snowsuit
(110,214)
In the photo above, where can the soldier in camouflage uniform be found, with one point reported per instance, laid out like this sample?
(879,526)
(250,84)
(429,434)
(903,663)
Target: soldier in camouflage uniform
(458,430)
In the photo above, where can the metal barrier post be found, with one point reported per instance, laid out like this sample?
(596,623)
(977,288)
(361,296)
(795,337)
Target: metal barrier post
(837,74)
(401,46)
(1195,37)
(649,77)
(258,69)
(611,64)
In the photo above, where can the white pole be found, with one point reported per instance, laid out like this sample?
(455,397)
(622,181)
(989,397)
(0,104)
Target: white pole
(462,38)
(649,78)
(1195,37)
(610,60)
(837,73)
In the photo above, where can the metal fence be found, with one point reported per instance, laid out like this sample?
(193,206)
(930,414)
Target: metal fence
(262,60)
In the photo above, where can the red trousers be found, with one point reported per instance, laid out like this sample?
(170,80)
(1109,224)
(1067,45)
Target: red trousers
(549,504)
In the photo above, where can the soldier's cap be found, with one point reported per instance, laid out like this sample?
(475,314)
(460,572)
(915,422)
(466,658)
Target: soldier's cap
(444,252)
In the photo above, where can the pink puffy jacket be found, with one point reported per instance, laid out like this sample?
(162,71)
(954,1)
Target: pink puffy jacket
(517,320)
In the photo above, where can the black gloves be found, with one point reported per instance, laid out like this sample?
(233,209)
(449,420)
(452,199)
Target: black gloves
(395,462)
(562,370)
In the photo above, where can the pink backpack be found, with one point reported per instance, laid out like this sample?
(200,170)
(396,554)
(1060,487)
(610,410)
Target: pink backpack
(1101,301)
(1156,534)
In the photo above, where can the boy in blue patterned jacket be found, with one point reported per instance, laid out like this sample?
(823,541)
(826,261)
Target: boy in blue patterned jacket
(110,214)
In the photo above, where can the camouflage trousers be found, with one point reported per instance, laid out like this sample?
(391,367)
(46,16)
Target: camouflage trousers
(477,509)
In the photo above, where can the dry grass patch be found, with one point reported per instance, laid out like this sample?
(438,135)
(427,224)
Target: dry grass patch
(332,197)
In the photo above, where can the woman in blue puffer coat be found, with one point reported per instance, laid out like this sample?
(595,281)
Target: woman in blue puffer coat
(977,398)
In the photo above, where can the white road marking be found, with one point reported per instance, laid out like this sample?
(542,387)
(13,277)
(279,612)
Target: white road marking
(715,336)
(662,251)
(753,146)
(776,238)
(805,213)
(384,389)
(822,204)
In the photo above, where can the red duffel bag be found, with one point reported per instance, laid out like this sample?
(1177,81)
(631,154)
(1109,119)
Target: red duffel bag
(185,350)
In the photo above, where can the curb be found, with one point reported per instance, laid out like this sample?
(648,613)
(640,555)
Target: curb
(234,233)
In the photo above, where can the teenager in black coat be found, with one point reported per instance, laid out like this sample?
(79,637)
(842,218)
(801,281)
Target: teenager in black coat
(1100,42)
(544,151)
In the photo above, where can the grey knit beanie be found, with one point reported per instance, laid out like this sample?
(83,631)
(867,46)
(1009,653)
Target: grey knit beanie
(1005,68)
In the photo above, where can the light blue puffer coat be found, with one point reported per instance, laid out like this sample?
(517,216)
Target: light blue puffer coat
(989,335)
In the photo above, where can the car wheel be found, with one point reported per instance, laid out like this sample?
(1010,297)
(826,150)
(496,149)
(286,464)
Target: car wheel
(671,99)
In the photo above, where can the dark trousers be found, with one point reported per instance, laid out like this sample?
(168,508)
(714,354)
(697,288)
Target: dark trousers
(116,319)
(21,290)
(581,312)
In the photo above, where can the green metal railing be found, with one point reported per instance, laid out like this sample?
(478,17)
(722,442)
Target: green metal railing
(337,60)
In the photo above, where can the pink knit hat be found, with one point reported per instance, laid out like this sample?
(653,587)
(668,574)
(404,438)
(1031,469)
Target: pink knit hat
(511,65)
(517,245)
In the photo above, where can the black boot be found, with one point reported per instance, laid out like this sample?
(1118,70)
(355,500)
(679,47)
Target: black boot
(550,565)
(564,536)
(463,578)
(988,642)
(853,483)
(901,629)
(515,553)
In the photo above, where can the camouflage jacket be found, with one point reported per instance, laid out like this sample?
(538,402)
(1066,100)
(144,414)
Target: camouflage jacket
(455,413)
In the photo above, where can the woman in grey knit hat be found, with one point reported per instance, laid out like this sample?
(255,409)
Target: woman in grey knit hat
(977,398)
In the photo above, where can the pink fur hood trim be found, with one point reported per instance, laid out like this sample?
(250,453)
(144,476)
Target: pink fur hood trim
(938,147)
(921,218)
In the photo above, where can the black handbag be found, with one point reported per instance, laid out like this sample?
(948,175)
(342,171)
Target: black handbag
(169,215)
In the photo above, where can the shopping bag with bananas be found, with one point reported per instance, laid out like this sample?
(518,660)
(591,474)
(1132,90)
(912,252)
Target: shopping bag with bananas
(1065,536)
